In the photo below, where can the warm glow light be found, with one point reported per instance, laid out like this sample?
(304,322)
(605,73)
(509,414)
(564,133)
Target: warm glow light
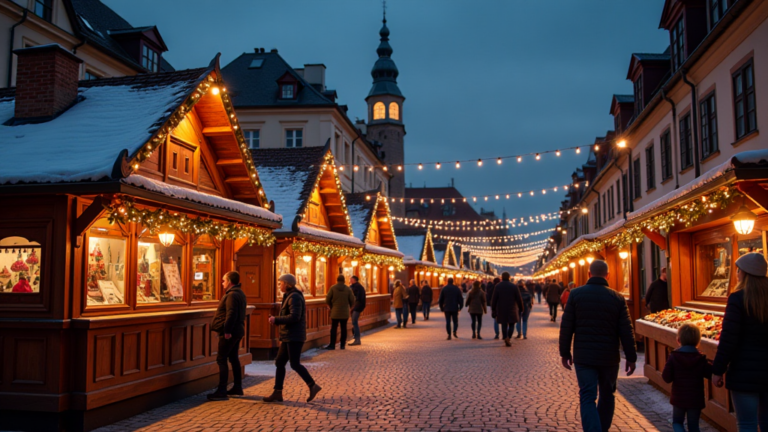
(622,144)
(421,166)
(166,238)
(307,258)
(355,168)
(578,150)
(519,158)
(341,167)
(458,164)
(564,268)
(399,167)
(590,259)
(572,265)
(322,259)
(584,210)
(367,265)
(391,268)
(744,220)
(597,147)
(437,165)
(581,262)
(354,263)
(498,161)
(215,90)
(538,156)
(421,273)
(429,273)
(623,254)
(479,162)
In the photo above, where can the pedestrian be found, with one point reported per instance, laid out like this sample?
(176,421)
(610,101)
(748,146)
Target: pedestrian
(292,320)
(414,294)
(451,302)
(522,324)
(553,299)
(537,288)
(506,306)
(743,351)
(686,369)
(398,299)
(477,305)
(426,299)
(359,291)
(489,295)
(340,299)
(657,297)
(565,294)
(597,319)
(229,323)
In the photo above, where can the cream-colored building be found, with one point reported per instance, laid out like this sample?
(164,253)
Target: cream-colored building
(108,45)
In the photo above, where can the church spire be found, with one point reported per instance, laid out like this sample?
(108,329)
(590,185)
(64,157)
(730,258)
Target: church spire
(384,71)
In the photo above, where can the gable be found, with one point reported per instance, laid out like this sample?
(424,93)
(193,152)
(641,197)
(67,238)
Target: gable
(328,187)
(373,237)
(428,252)
(315,213)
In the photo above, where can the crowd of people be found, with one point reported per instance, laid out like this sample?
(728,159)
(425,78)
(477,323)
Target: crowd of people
(595,327)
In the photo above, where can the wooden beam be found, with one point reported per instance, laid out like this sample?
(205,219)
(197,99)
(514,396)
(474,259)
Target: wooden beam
(237,180)
(657,238)
(329,191)
(217,131)
(756,193)
(89,216)
(335,214)
(245,196)
(222,162)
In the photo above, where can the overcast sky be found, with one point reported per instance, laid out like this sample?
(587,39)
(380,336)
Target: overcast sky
(482,79)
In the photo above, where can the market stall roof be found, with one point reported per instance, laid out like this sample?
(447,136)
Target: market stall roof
(369,209)
(418,247)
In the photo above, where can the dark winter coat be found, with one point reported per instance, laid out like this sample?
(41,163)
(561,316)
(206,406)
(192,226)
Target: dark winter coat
(450,299)
(489,292)
(293,317)
(506,303)
(476,302)
(426,295)
(413,294)
(340,299)
(686,369)
(527,300)
(537,288)
(230,314)
(359,291)
(743,349)
(656,297)
(596,319)
(552,292)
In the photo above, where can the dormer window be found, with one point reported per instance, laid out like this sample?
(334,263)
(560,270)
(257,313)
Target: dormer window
(44,9)
(287,91)
(150,59)
(677,35)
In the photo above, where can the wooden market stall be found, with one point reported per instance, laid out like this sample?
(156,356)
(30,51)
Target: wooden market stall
(316,244)
(705,230)
(132,196)
(420,262)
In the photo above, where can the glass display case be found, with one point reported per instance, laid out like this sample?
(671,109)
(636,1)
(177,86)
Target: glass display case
(303,273)
(205,280)
(159,270)
(321,264)
(105,269)
(19,266)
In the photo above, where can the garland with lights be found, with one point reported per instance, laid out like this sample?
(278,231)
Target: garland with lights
(484,225)
(493,238)
(122,210)
(325,249)
(530,245)
(383,260)
(506,195)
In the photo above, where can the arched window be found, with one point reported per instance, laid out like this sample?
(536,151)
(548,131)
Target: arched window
(394,111)
(378,111)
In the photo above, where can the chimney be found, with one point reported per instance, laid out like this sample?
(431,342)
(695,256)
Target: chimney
(314,74)
(46,81)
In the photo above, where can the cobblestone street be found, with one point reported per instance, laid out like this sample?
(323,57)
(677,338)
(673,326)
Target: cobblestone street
(414,379)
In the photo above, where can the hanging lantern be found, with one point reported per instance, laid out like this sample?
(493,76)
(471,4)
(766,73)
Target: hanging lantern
(354,263)
(307,258)
(581,261)
(744,220)
(623,254)
(368,265)
(572,265)
(590,259)
(166,238)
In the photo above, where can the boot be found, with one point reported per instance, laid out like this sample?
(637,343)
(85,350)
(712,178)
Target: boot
(313,391)
(507,342)
(276,396)
(329,347)
(519,336)
(236,391)
(449,337)
(496,337)
(479,337)
(355,343)
(474,335)
(455,335)
(218,396)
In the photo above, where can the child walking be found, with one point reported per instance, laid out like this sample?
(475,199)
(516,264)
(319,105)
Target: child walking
(686,369)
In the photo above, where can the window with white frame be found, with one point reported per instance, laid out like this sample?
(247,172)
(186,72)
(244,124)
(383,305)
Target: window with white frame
(294,138)
(287,91)
(150,59)
(252,138)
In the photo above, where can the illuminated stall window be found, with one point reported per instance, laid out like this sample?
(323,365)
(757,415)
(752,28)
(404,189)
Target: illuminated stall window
(205,279)
(365,271)
(321,265)
(303,274)
(105,266)
(283,267)
(348,269)
(713,268)
(375,283)
(19,266)
(159,269)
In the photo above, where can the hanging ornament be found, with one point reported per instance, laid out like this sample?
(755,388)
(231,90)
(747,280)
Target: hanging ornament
(19,265)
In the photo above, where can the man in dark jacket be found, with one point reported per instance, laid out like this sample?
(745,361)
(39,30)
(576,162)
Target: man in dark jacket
(596,319)
(293,333)
(229,323)
(657,298)
(552,294)
(506,305)
(489,295)
(359,291)
(340,300)
(426,299)
(451,301)
(414,293)
(537,288)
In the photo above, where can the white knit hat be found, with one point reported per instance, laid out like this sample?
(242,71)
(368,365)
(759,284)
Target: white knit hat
(753,263)
(288,278)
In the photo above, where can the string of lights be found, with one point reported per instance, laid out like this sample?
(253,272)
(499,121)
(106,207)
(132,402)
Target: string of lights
(529,246)
(467,225)
(493,238)
(474,199)
(479,162)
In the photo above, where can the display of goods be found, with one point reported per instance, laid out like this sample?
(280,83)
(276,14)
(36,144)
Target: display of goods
(710,325)
(32,258)
(19,265)
(5,273)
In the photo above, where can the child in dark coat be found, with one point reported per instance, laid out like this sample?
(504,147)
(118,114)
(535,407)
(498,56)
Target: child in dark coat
(686,369)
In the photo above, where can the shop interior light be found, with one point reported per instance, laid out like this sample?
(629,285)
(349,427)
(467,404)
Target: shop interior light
(307,258)
(368,265)
(590,259)
(166,238)
(623,254)
(744,220)
(354,263)
(429,273)
(322,259)
(581,262)
(572,265)
(391,268)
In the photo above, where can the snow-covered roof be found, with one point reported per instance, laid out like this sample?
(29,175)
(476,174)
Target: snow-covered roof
(359,215)
(383,250)
(84,142)
(412,245)
(329,235)
(439,256)
(282,184)
(200,197)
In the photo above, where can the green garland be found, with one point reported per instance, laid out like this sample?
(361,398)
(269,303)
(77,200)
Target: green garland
(124,210)
(383,260)
(325,249)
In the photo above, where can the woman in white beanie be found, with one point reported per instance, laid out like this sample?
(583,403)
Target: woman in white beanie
(743,347)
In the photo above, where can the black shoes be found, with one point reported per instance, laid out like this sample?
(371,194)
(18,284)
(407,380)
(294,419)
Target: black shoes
(235,392)
(496,337)
(313,391)
(355,343)
(276,396)
(474,336)
(479,337)
(216,396)
(455,335)
(329,347)
(518,336)
(449,337)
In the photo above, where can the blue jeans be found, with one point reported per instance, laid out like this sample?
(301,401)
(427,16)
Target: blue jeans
(594,380)
(405,314)
(399,315)
(523,322)
(678,418)
(355,325)
(751,409)
(496,327)
(425,310)
(538,295)
(451,316)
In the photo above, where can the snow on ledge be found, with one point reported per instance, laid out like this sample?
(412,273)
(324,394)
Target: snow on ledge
(383,251)
(201,197)
(758,157)
(330,235)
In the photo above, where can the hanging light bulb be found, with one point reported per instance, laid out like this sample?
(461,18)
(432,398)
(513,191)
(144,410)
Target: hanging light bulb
(581,262)
(622,144)
(744,220)
(557,152)
(391,268)
(479,162)
(421,166)
(307,258)
(498,161)
(437,165)
(354,263)
(367,265)
(623,254)
(519,158)
(538,156)
(584,210)
(572,265)
(356,168)
(578,150)
(564,268)
(458,164)
(590,258)
(597,147)
(166,238)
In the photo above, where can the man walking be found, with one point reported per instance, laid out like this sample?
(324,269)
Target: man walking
(426,299)
(451,301)
(359,291)
(340,299)
(229,323)
(552,294)
(489,295)
(293,333)
(506,306)
(657,297)
(596,319)
(537,287)
(414,294)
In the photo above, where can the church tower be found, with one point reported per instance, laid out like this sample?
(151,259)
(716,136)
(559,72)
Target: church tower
(385,117)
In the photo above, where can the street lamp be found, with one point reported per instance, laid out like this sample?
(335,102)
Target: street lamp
(622,144)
